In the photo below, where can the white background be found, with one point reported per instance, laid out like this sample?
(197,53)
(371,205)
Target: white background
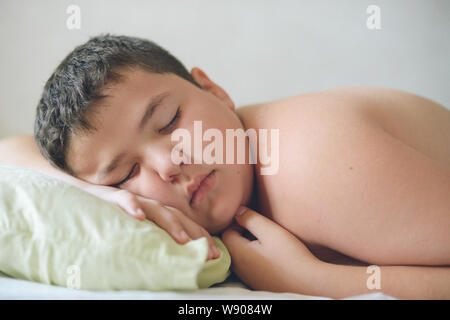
(256,50)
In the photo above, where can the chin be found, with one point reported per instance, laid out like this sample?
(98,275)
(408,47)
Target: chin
(216,230)
(219,227)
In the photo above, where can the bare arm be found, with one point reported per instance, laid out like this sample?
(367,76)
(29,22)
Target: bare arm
(22,151)
(276,260)
(403,282)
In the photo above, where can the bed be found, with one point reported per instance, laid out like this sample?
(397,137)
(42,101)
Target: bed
(231,289)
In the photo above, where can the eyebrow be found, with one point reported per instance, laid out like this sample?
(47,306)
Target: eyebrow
(155,102)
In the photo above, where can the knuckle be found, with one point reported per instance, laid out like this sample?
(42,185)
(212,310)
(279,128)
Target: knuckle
(170,218)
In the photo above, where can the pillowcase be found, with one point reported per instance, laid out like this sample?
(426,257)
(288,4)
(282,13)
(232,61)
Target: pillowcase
(54,233)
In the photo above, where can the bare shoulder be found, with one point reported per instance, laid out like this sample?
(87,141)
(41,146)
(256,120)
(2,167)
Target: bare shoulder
(16,146)
(312,114)
(417,121)
(353,155)
(343,101)
(358,98)
(311,124)
(310,127)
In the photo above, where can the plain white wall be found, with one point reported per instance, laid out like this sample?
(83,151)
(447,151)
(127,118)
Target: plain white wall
(256,50)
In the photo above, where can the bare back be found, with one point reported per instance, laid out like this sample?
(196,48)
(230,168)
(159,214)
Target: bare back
(310,189)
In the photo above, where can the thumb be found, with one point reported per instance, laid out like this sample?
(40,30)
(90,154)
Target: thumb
(259,225)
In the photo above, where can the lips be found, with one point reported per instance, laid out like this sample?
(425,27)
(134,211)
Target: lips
(200,187)
(194,185)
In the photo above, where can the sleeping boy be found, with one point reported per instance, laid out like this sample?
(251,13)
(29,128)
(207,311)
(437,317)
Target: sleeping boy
(362,189)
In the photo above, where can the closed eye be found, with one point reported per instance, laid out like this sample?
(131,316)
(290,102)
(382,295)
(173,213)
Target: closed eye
(128,177)
(166,129)
(170,125)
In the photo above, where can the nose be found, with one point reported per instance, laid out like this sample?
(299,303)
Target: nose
(169,174)
(161,162)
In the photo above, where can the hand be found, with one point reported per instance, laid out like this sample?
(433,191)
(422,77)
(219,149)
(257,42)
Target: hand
(181,228)
(275,261)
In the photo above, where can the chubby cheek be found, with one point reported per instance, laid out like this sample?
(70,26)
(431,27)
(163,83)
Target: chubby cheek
(152,188)
(226,200)
(223,219)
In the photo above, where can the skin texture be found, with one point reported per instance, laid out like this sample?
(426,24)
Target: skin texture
(155,176)
(347,183)
(364,178)
(278,261)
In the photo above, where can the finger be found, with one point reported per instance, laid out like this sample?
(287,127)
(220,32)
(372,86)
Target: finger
(190,227)
(130,204)
(241,249)
(215,253)
(195,231)
(256,223)
(169,222)
(232,238)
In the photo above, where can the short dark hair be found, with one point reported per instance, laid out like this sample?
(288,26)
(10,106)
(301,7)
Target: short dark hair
(79,80)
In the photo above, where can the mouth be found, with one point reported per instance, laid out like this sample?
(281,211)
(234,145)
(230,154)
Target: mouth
(205,186)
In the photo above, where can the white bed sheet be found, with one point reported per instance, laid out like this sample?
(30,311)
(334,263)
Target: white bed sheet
(16,289)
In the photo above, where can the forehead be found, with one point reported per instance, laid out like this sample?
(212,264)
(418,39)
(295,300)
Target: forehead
(114,118)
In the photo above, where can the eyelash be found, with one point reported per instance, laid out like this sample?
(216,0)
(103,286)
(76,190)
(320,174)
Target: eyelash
(172,122)
(169,126)
(116,185)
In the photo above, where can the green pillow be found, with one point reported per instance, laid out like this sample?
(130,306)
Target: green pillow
(54,233)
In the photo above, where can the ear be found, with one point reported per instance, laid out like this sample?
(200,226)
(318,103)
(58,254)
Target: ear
(203,80)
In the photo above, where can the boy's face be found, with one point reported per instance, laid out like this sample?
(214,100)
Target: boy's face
(146,146)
